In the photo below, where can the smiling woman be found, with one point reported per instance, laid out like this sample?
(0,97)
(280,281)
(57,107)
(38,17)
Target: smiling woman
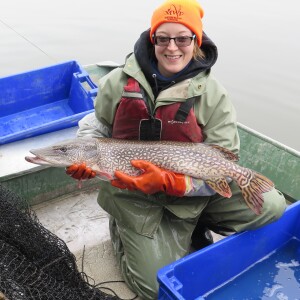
(165,92)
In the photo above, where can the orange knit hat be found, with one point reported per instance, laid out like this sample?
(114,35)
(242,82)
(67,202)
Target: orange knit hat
(186,12)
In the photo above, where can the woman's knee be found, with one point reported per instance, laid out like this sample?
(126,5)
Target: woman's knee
(274,204)
(273,208)
(137,260)
(144,284)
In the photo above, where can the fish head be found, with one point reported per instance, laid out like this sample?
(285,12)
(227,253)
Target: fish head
(66,153)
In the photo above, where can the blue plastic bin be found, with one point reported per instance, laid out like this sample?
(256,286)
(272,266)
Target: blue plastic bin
(44,100)
(201,273)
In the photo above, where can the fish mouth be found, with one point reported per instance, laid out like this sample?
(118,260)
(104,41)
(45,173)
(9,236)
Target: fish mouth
(36,160)
(40,160)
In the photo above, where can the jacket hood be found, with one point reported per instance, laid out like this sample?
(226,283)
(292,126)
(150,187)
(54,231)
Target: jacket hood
(144,53)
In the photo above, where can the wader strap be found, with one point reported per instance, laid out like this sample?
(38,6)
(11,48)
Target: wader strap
(184,109)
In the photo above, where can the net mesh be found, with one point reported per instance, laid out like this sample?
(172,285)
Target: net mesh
(35,263)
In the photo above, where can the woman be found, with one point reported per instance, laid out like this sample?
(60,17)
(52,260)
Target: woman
(166,91)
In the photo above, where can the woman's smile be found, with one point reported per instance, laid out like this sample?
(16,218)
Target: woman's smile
(173,58)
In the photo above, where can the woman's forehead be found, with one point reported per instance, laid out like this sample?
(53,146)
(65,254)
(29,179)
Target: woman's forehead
(174,28)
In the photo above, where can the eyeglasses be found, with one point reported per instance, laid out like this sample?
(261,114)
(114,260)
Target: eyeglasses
(180,41)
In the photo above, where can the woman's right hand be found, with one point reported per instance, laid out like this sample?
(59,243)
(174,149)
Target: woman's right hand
(80,172)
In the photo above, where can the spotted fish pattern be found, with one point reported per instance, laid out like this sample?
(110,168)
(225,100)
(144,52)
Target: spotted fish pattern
(211,163)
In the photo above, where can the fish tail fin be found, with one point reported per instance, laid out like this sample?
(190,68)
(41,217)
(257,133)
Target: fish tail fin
(253,191)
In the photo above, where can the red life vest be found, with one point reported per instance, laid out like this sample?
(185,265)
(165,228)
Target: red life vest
(173,122)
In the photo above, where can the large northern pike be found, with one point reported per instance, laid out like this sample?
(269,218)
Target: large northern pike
(211,163)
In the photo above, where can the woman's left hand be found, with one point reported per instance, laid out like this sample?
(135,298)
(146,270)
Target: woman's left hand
(152,180)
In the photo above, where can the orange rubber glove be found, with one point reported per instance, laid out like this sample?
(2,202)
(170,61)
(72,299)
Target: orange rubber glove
(153,180)
(80,172)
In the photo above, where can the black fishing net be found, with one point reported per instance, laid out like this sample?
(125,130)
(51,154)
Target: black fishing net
(35,263)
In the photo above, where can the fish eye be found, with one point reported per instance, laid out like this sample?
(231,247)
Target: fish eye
(63,149)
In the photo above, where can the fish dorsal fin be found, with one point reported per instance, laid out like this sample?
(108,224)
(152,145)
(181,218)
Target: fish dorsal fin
(225,152)
(220,185)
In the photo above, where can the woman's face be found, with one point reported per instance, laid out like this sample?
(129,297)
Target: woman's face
(171,58)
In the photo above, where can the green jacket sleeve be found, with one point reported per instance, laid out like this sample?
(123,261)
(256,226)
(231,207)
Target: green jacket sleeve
(109,93)
(216,114)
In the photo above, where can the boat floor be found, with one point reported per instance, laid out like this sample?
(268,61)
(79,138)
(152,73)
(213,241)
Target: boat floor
(83,225)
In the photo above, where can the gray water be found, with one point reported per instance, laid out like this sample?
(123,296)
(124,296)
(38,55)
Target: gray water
(258,41)
(275,277)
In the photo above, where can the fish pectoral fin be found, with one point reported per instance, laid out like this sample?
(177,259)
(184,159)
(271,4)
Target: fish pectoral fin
(104,176)
(220,185)
(101,174)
